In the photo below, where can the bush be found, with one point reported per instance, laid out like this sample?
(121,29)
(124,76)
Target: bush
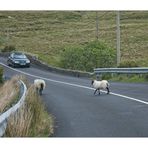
(95,54)
(8,48)
(71,58)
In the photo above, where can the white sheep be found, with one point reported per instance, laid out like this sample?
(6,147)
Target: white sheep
(40,85)
(100,85)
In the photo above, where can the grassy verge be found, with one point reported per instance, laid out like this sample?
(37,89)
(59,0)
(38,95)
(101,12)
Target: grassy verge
(47,33)
(133,78)
(9,94)
(31,120)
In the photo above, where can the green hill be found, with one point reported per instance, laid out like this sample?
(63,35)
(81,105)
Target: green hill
(46,33)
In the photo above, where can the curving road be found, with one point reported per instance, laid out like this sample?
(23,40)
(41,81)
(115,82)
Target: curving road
(78,113)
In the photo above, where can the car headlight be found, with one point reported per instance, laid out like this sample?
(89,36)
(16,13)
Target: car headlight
(27,61)
(17,62)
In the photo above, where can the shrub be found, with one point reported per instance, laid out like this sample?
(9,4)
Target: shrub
(71,58)
(99,55)
(95,54)
(8,48)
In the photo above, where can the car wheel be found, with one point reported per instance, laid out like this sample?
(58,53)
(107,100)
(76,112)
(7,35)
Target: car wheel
(8,63)
(13,65)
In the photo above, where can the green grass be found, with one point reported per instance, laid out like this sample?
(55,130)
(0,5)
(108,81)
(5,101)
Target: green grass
(132,78)
(46,33)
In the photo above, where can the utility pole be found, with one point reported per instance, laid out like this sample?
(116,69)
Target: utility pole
(118,37)
(97,25)
(7,38)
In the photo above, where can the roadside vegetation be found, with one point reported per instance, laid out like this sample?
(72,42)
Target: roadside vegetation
(32,119)
(138,78)
(9,94)
(94,54)
(47,33)
(133,78)
(67,39)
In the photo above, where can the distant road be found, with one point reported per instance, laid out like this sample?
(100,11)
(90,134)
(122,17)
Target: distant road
(78,113)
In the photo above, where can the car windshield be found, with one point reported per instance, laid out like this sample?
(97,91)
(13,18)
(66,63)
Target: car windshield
(19,56)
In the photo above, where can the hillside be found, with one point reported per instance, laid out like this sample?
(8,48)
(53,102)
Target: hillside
(46,33)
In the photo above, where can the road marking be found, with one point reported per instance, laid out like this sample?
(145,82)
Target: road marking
(76,85)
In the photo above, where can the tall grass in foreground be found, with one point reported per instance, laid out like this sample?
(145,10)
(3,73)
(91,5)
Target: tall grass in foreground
(9,92)
(31,120)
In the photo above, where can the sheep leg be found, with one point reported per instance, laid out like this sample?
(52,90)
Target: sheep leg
(99,91)
(95,91)
(107,90)
(40,91)
(37,90)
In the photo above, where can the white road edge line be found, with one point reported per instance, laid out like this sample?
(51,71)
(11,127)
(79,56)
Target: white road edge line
(76,85)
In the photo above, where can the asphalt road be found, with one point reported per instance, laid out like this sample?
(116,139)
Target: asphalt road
(78,113)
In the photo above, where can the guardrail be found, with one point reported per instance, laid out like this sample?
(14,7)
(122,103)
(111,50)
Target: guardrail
(4,116)
(135,70)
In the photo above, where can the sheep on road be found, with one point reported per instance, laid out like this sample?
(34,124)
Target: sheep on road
(100,85)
